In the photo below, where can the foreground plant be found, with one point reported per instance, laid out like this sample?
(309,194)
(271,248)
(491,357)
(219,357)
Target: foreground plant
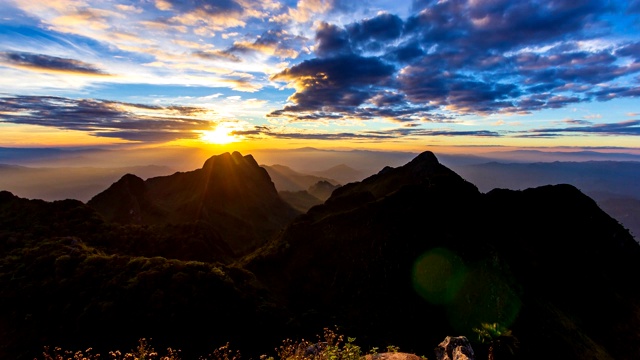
(499,338)
(331,346)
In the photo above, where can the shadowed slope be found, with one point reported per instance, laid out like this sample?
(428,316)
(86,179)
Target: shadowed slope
(419,245)
(230,192)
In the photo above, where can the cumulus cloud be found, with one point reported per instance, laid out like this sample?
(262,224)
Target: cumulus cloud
(464,57)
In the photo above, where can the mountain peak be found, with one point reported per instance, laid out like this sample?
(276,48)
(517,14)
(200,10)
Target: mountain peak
(426,157)
(423,170)
(231,193)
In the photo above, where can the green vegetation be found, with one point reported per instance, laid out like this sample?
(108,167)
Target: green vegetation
(331,346)
(499,339)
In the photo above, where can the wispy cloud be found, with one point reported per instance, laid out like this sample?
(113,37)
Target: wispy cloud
(50,64)
(133,122)
(624,128)
(270,132)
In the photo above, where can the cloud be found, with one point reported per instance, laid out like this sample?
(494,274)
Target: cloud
(577,122)
(216,55)
(624,128)
(463,57)
(331,40)
(369,34)
(127,121)
(305,11)
(609,93)
(339,84)
(49,64)
(274,42)
(390,134)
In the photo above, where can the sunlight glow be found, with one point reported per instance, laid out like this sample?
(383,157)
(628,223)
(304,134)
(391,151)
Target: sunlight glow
(220,135)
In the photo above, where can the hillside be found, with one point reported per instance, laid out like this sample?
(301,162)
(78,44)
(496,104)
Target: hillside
(613,184)
(406,257)
(230,193)
(420,245)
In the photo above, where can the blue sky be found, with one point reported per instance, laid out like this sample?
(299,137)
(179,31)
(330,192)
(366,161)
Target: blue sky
(338,73)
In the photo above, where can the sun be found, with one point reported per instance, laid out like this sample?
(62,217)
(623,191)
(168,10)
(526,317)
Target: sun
(220,135)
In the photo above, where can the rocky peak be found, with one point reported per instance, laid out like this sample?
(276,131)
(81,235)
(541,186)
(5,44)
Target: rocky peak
(423,171)
(231,193)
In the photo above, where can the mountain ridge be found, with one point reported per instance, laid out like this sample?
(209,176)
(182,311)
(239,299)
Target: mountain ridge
(230,192)
(414,244)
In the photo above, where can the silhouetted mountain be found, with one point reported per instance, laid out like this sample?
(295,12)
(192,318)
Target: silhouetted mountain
(613,184)
(342,173)
(300,200)
(59,183)
(416,253)
(305,200)
(322,189)
(287,179)
(405,257)
(230,192)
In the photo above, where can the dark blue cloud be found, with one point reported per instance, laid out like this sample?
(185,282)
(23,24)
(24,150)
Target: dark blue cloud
(405,52)
(624,128)
(332,41)
(372,34)
(464,57)
(46,63)
(340,83)
(631,50)
(209,7)
(410,131)
(610,93)
(104,118)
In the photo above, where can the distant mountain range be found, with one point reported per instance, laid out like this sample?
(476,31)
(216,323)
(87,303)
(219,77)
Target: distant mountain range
(286,179)
(406,257)
(613,184)
(59,183)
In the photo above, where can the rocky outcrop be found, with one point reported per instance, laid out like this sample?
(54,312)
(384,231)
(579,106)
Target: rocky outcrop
(454,348)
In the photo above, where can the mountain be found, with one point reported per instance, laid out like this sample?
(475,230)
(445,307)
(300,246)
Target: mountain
(69,279)
(613,184)
(230,193)
(416,253)
(300,200)
(322,189)
(405,257)
(59,183)
(304,200)
(287,179)
(342,173)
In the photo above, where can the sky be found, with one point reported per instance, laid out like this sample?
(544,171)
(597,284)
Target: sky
(371,74)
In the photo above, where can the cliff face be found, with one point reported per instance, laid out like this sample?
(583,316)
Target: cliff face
(230,192)
(420,245)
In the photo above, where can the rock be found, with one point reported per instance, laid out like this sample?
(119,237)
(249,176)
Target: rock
(454,348)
